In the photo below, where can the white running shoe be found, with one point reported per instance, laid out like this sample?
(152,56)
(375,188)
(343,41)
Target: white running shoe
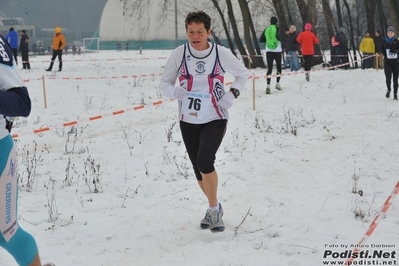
(268,89)
(206,222)
(215,222)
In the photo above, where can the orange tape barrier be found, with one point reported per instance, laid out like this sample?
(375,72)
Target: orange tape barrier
(374,224)
(98,60)
(92,118)
(315,70)
(152,75)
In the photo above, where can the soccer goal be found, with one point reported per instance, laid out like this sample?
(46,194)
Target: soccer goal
(91,45)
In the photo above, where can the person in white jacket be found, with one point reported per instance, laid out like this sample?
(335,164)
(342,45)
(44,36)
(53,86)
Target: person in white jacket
(14,101)
(199,66)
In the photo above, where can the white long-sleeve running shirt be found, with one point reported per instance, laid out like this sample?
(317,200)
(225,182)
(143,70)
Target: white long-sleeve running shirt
(201,73)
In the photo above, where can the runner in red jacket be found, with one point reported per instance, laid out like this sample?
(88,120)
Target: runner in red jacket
(307,39)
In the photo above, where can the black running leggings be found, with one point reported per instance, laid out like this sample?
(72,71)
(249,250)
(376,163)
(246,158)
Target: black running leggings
(308,62)
(391,70)
(202,142)
(270,57)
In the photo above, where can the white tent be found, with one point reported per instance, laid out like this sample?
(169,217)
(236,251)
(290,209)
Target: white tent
(121,22)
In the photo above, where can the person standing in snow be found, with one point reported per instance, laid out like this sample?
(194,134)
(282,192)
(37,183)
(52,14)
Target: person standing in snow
(271,36)
(307,39)
(24,49)
(390,50)
(284,43)
(12,39)
(14,101)
(367,47)
(58,45)
(379,58)
(292,48)
(341,49)
(199,66)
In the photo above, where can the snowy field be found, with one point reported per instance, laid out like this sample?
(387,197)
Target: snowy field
(288,167)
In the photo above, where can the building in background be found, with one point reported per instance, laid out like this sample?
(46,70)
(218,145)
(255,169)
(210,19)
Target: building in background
(18,24)
(155,25)
(132,23)
(36,35)
(151,31)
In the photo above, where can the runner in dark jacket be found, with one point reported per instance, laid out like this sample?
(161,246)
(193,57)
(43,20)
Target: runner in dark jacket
(390,49)
(341,50)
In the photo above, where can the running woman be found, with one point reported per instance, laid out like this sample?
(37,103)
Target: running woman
(200,65)
(390,50)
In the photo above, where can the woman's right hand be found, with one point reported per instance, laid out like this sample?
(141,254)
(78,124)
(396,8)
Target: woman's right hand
(178,93)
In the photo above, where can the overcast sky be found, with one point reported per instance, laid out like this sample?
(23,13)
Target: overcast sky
(69,14)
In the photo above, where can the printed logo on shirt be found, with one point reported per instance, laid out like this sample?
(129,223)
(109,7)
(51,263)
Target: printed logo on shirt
(218,91)
(13,168)
(8,202)
(5,53)
(200,67)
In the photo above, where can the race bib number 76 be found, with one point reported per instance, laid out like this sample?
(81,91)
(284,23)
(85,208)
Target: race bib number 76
(196,105)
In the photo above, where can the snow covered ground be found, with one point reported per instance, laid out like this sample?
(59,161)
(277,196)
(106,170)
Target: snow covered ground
(288,167)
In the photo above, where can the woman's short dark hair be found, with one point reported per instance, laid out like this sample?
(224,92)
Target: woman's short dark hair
(199,17)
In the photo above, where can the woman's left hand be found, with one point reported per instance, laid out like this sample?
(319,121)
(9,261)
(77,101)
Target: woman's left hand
(227,100)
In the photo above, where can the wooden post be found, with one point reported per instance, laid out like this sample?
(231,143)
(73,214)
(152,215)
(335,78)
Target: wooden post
(253,91)
(44,92)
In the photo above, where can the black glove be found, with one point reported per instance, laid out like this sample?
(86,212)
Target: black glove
(393,51)
(8,123)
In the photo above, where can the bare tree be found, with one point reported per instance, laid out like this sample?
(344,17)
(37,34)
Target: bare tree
(302,6)
(382,18)
(280,9)
(226,30)
(236,34)
(370,12)
(351,32)
(288,13)
(339,13)
(394,12)
(329,19)
(248,31)
(311,14)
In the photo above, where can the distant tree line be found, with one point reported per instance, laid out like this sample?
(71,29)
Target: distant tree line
(242,21)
